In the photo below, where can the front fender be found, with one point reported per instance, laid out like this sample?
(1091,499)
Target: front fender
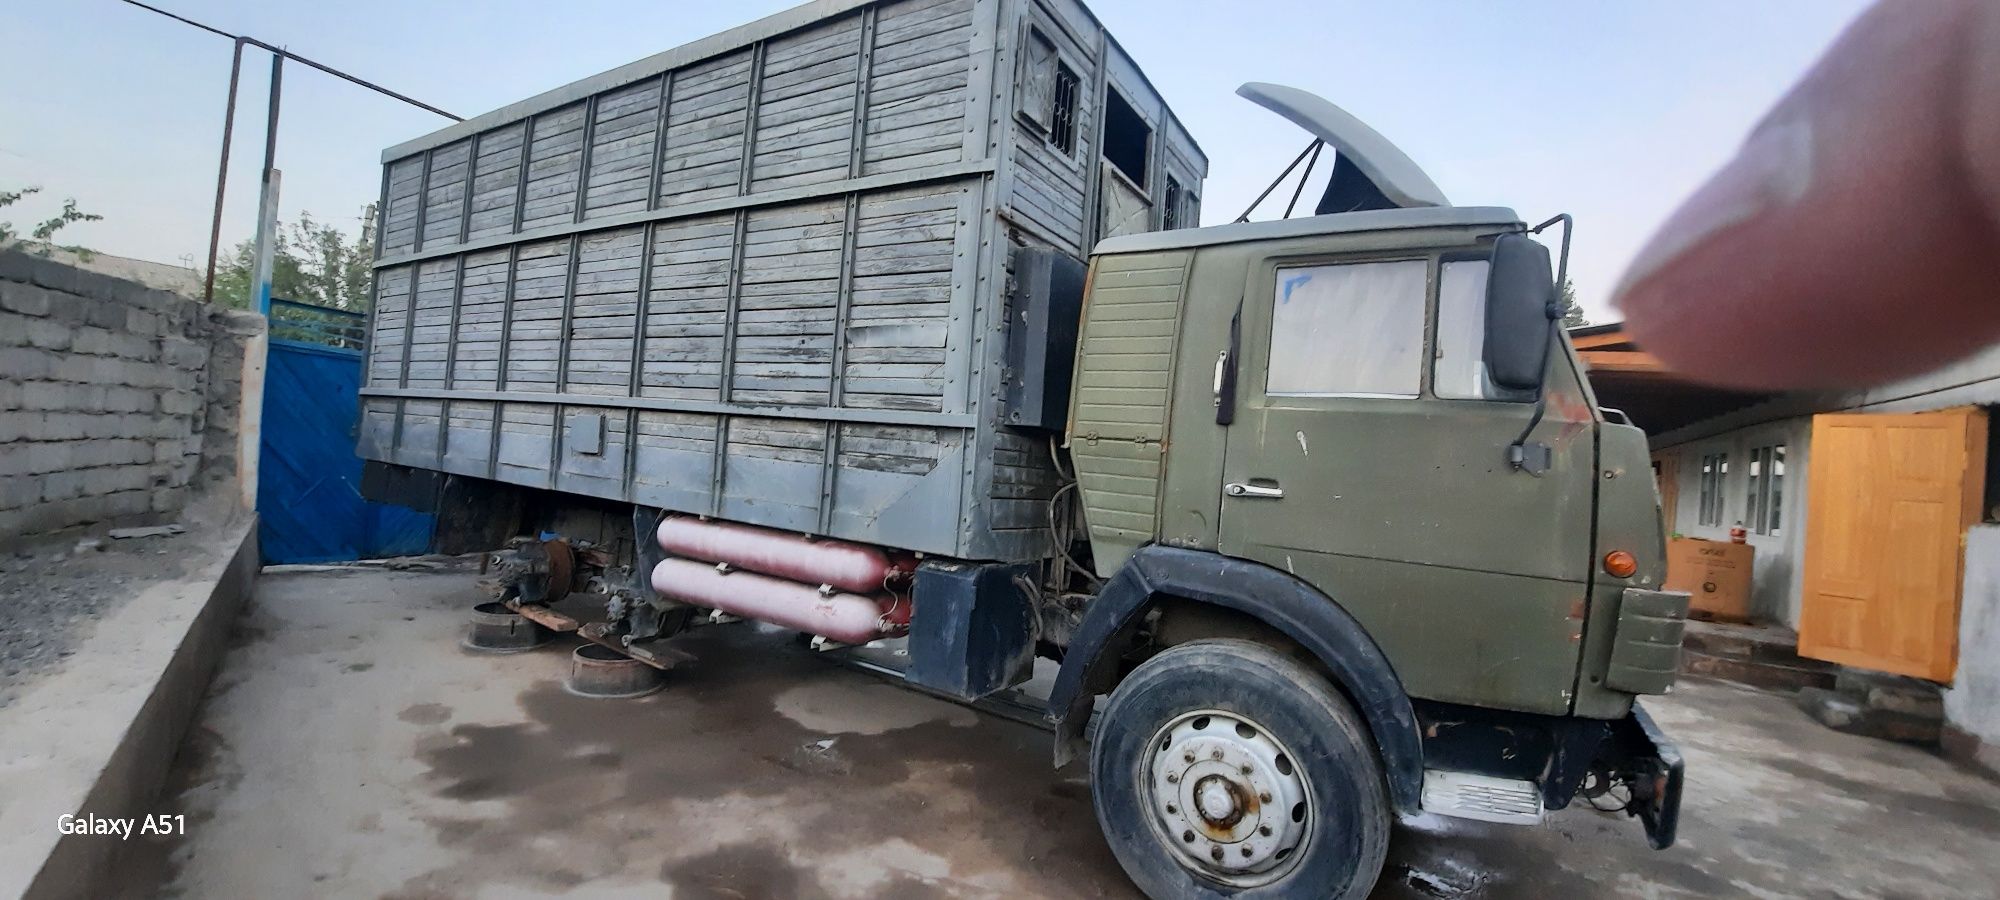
(1278,599)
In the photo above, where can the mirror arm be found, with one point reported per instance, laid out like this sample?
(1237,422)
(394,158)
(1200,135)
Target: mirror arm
(1518,454)
(1562,263)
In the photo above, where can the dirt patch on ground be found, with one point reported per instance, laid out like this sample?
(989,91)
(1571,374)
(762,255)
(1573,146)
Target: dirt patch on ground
(52,595)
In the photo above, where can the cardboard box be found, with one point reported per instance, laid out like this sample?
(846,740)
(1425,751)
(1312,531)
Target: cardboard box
(1716,574)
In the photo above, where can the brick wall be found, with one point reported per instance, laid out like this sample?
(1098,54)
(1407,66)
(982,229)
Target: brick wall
(118,402)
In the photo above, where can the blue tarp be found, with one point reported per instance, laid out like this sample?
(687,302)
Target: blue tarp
(308,479)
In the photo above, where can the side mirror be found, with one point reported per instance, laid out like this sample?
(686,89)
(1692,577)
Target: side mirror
(1521,301)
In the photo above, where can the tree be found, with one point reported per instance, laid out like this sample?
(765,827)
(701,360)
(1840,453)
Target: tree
(312,262)
(42,236)
(1572,311)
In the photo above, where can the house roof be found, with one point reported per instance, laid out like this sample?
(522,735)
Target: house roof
(1657,398)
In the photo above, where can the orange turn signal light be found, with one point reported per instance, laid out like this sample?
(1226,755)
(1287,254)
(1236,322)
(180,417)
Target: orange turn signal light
(1620,564)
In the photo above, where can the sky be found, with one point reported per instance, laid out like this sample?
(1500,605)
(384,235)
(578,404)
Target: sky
(1611,112)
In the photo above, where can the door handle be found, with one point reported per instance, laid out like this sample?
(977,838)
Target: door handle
(1238,489)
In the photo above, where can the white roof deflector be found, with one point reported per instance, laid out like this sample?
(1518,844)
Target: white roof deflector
(1394,173)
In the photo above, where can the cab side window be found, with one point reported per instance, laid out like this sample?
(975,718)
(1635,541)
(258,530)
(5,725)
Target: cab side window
(1461,342)
(1350,330)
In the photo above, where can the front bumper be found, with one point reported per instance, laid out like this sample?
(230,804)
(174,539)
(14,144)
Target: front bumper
(1643,759)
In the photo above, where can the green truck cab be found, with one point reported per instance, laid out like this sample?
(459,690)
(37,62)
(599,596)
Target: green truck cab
(1368,542)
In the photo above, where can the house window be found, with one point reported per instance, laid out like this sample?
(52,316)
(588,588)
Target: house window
(1170,212)
(1048,92)
(1767,489)
(1714,478)
(1348,330)
(1127,138)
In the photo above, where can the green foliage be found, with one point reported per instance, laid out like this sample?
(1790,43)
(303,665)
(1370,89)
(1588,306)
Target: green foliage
(1572,312)
(313,262)
(42,236)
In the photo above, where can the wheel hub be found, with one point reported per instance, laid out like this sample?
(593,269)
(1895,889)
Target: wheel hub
(1218,799)
(1227,797)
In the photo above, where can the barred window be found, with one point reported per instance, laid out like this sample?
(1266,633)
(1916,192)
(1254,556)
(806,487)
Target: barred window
(1062,115)
(1049,93)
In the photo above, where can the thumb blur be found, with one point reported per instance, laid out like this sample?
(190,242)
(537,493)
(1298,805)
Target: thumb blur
(1855,238)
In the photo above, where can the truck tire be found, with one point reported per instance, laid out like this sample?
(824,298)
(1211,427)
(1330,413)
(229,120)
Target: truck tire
(1224,768)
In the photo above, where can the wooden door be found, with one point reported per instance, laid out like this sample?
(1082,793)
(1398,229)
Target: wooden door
(1888,500)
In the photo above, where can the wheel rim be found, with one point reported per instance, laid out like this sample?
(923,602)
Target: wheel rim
(1227,797)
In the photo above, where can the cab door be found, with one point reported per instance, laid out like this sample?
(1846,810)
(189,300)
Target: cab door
(1369,457)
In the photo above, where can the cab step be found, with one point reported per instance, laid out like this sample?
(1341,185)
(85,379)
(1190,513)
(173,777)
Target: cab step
(1464,795)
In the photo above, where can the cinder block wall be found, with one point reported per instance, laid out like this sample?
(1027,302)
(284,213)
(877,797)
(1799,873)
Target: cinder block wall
(117,401)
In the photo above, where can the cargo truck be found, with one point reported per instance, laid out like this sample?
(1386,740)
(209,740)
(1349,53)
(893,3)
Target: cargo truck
(888,321)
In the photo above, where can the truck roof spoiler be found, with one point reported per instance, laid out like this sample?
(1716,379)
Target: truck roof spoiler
(1394,176)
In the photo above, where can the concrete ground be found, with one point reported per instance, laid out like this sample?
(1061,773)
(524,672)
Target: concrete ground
(349,748)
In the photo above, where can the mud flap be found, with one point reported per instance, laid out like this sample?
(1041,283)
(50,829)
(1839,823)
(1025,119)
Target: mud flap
(1651,766)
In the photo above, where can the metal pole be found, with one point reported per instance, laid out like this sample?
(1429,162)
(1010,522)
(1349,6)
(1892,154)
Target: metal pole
(222,172)
(267,205)
(1303,178)
(1245,217)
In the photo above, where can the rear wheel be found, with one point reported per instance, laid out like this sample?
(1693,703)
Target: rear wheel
(1223,768)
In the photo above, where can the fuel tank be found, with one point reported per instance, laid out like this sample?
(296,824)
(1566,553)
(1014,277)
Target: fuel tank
(849,567)
(845,617)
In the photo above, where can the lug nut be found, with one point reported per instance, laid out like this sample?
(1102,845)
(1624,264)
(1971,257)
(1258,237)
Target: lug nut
(1264,797)
(1264,830)
(1188,756)
(1215,853)
(1173,779)
(1215,754)
(1172,809)
(1246,853)
(1246,770)
(1187,837)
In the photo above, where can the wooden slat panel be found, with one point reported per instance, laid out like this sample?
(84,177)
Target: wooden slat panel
(604,312)
(917,86)
(900,304)
(496,181)
(687,308)
(555,160)
(475,361)
(444,202)
(705,121)
(784,329)
(621,156)
(534,331)
(385,343)
(430,326)
(399,219)
(806,105)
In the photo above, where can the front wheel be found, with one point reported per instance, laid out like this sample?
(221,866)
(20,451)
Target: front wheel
(1223,768)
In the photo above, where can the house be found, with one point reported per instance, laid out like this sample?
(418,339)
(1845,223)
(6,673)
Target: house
(1875,520)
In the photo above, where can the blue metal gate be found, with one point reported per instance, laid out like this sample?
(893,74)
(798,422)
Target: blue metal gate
(308,480)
